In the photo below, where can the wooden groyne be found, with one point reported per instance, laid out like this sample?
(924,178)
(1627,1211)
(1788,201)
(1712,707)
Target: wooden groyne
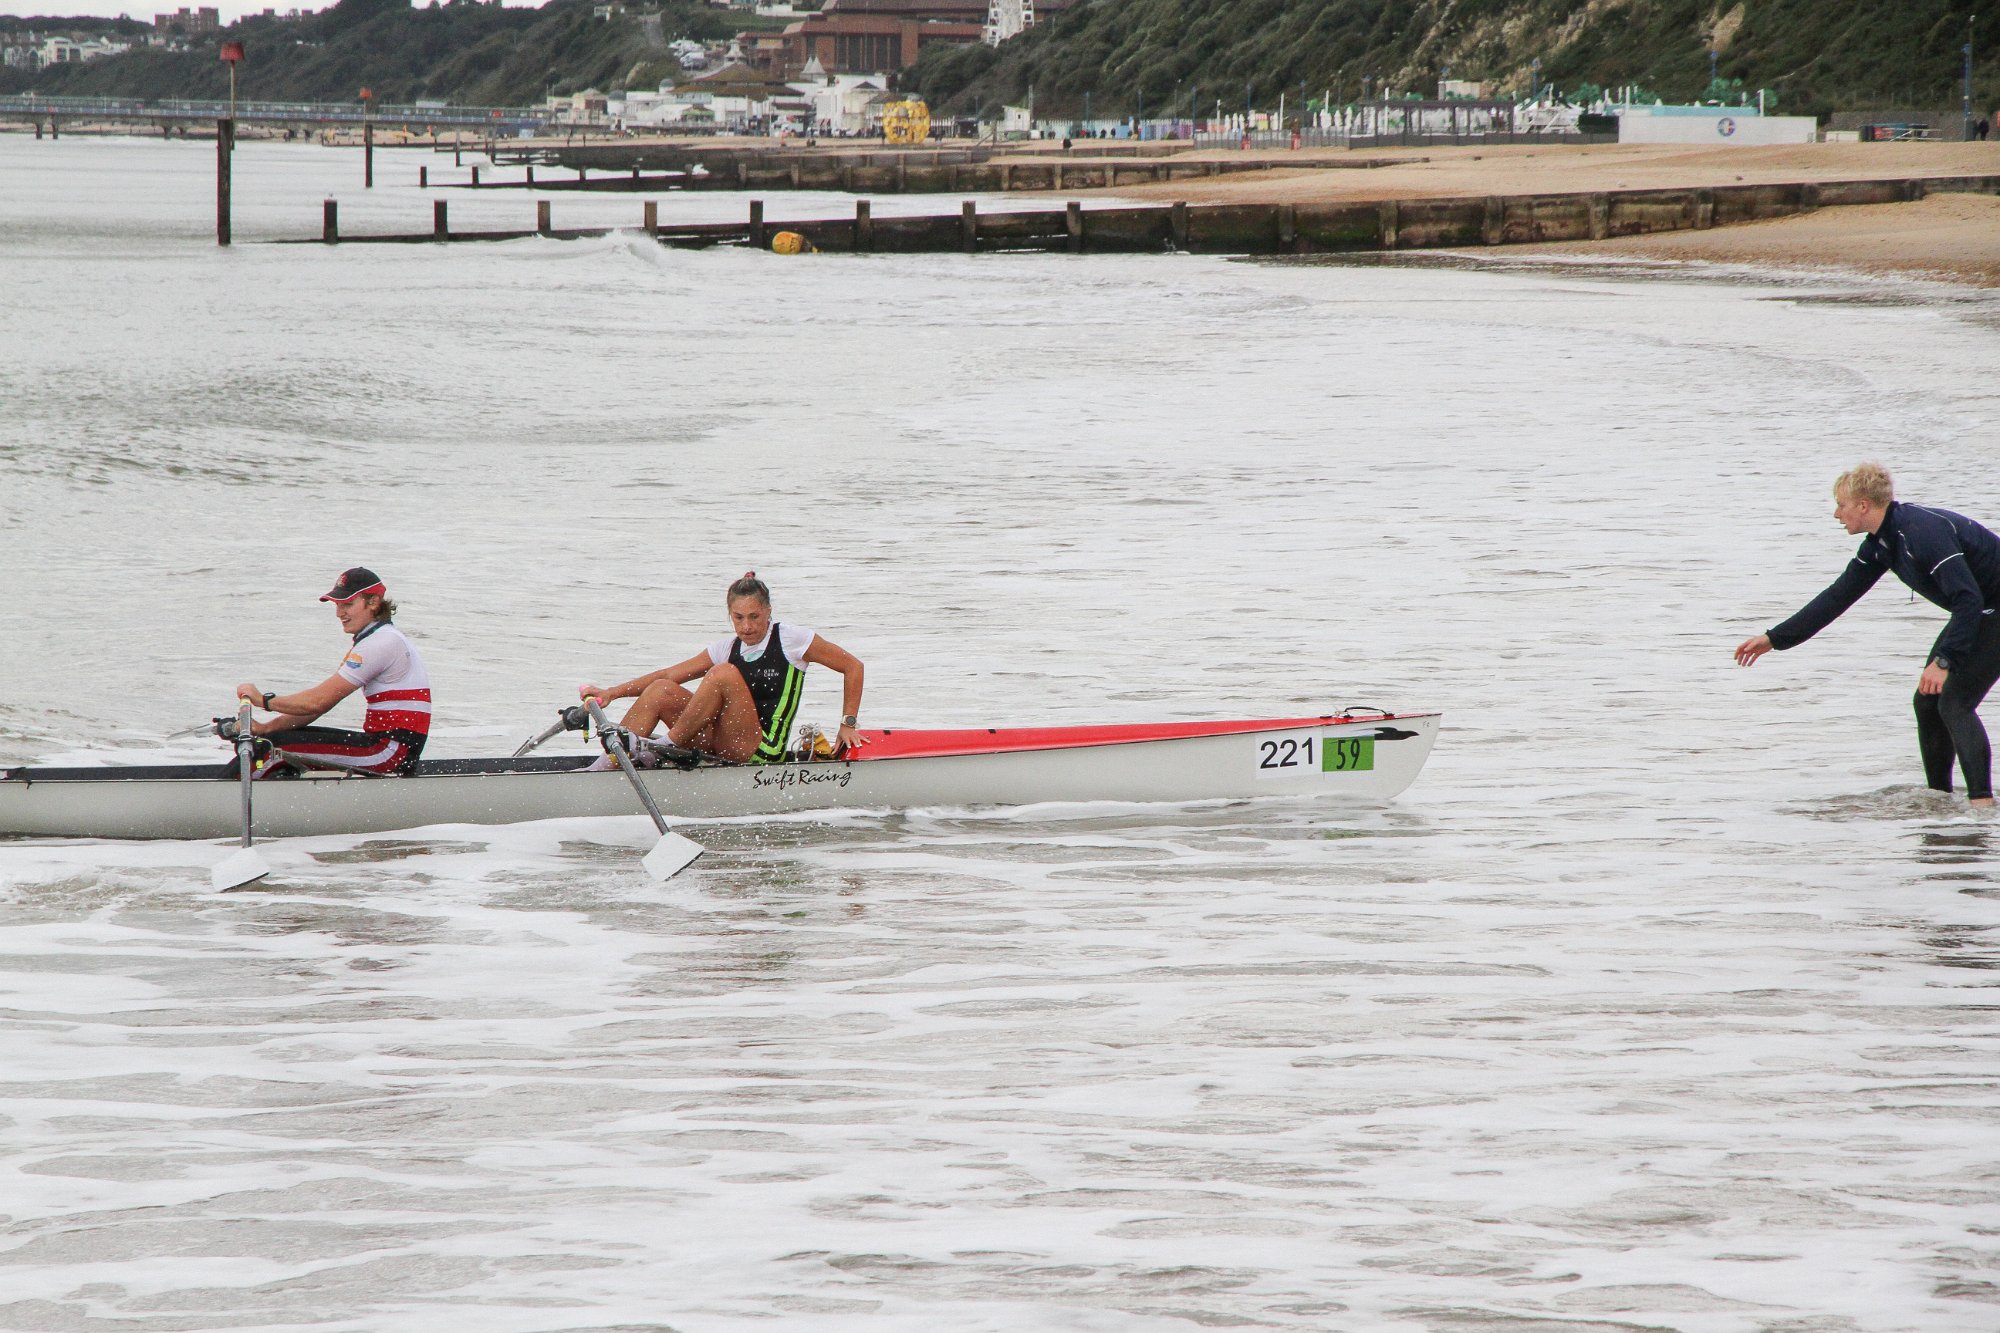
(894,173)
(1248,229)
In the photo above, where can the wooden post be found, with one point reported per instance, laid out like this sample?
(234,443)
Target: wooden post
(531,177)
(1704,209)
(368,154)
(55,128)
(1006,176)
(756,224)
(1386,222)
(455,159)
(795,174)
(38,128)
(1600,216)
(902,175)
(743,173)
(225,147)
(329,222)
(475,175)
(1288,227)
(864,226)
(968,226)
(652,223)
(440,221)
(1073,225)
(1059,180)
(1177,226)
(423,178)
(635,175)
(583,173)
(1493,227)
(542,216)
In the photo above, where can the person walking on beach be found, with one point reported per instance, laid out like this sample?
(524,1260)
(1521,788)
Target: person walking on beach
(1950,561)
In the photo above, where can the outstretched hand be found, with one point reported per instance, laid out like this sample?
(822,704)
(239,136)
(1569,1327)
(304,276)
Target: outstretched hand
(1750,650)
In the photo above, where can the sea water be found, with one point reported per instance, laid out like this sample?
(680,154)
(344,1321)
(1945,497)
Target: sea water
(1664,999)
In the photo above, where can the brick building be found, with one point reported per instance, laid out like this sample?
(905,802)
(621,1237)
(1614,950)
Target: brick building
(190,22)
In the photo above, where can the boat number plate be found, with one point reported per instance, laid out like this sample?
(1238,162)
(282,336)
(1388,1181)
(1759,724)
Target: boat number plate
(1278,755)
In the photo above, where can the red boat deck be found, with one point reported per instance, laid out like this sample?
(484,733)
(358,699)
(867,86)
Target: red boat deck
(903,743)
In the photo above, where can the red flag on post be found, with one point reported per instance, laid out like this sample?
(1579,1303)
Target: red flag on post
(232,52)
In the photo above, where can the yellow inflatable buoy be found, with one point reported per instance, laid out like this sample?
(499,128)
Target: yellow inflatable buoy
(789,243)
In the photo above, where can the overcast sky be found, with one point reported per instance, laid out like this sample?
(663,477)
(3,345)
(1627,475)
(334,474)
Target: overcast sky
(144,12)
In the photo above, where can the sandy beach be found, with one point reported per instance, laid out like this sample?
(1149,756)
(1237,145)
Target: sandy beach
(1954,237)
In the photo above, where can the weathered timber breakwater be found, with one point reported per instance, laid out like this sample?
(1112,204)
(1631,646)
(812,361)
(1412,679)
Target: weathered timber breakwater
(885,173)
(1406,224)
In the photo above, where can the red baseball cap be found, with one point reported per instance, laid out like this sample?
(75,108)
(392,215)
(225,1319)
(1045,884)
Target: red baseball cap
(352,583)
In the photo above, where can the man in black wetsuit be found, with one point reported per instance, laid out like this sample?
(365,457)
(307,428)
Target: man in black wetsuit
(1947,559)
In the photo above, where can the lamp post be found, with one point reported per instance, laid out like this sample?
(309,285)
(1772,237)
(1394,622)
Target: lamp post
(1712,76)
(1968,76)
(225,145)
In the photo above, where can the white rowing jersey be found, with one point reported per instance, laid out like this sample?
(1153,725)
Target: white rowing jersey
(794,639)
(384,665)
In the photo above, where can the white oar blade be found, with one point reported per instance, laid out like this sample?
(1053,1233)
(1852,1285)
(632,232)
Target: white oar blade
(671,855)
(243,866)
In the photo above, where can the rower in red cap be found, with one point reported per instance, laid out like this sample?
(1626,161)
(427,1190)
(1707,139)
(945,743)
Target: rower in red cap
(383,664)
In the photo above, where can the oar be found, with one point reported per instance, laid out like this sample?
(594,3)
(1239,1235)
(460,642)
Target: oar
(244,866)
(672,853)
(567,719)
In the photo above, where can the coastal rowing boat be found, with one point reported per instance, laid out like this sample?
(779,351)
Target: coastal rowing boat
(1360,759)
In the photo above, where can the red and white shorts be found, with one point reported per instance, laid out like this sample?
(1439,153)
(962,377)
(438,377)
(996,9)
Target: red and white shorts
(370,751)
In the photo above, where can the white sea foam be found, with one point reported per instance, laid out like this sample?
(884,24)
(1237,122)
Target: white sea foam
(1663,999)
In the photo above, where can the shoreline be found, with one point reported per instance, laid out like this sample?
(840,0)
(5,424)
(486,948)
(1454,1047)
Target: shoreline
(1951,238)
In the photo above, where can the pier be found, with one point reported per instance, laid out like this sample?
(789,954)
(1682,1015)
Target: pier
(168,114)
(1242,229)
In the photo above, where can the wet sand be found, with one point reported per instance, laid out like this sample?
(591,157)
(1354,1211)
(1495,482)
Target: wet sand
(1954,237)
(1418,173)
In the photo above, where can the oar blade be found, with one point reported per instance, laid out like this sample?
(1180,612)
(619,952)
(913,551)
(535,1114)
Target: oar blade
(240,867)
(671,855)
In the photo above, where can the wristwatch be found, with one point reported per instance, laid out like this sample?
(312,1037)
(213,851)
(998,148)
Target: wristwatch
(1941,663)
(848,721)
(268,696)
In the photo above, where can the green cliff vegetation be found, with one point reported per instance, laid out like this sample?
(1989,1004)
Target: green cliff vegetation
(1813,55)
(465,53)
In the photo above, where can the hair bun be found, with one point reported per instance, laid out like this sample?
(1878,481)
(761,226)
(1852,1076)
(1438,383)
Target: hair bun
(749,573)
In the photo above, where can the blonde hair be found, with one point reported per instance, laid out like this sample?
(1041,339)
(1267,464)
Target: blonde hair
(1865,481)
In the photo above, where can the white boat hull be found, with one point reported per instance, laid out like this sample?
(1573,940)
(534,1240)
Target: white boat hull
(1286,759)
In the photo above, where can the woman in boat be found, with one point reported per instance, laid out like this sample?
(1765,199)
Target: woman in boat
(382,663)
(750,687)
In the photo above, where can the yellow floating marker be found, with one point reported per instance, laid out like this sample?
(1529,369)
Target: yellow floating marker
(789,243)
